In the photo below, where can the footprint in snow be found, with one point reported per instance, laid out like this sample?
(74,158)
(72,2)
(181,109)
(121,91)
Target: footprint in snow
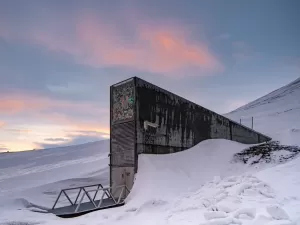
(222,221)
(215,215)
(277,212)
(281,222)
(131,209)
(246,213)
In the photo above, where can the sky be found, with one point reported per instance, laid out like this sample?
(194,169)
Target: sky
(58,59)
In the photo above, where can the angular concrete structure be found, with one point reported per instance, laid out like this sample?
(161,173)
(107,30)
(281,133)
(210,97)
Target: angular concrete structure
(148,119)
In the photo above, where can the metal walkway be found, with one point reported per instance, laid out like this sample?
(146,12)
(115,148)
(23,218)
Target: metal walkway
(89,200)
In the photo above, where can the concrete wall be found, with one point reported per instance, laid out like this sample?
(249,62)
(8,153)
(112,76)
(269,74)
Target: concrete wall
(181,123)
(123,155)
(175,125)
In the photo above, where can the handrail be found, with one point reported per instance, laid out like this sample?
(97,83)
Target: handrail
(92,185)
(106,191)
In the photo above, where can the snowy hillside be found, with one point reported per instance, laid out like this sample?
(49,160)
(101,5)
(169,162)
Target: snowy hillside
(203,185)
(46,171)
(276,114)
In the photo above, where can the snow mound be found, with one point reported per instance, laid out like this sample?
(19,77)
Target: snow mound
(248,200)
(163,176)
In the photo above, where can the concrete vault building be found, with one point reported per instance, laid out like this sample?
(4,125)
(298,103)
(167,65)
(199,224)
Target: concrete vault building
(148,119)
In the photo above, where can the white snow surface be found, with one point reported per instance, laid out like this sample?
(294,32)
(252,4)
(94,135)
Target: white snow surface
(276,114)
(198,186)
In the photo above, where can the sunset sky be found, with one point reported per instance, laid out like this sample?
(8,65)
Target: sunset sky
(58,59)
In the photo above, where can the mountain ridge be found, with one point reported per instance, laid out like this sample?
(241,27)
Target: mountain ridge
(272,96)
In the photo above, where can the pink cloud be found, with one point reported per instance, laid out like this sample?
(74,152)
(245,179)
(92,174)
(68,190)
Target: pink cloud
(75,126)
(51,116)
(162,49)
(47,109)
(17,103)
(2,124)
(13,104)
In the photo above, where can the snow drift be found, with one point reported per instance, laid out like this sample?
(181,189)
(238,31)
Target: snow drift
(165,176)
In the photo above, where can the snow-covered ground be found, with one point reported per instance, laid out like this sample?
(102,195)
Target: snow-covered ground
(276,114)
(202,185)
(37,176)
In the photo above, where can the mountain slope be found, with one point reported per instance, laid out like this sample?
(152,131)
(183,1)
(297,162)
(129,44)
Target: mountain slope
(49,170)
(285,98)
(275,114)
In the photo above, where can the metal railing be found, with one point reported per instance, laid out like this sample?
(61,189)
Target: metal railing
(106,192)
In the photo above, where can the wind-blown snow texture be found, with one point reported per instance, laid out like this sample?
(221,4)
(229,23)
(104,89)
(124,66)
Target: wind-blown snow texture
(203,185)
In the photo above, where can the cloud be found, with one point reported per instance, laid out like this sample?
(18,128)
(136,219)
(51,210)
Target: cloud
(84,139)
(157,48)
(17,145)
(93,133)
(16,103)
(36,120)
(2,124)
(19,131)
(22,146)
(3,148)
(56,139)
(40,52)
(80,125)
(74,138)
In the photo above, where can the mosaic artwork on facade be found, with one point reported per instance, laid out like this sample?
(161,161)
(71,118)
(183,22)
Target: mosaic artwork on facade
(123,102)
